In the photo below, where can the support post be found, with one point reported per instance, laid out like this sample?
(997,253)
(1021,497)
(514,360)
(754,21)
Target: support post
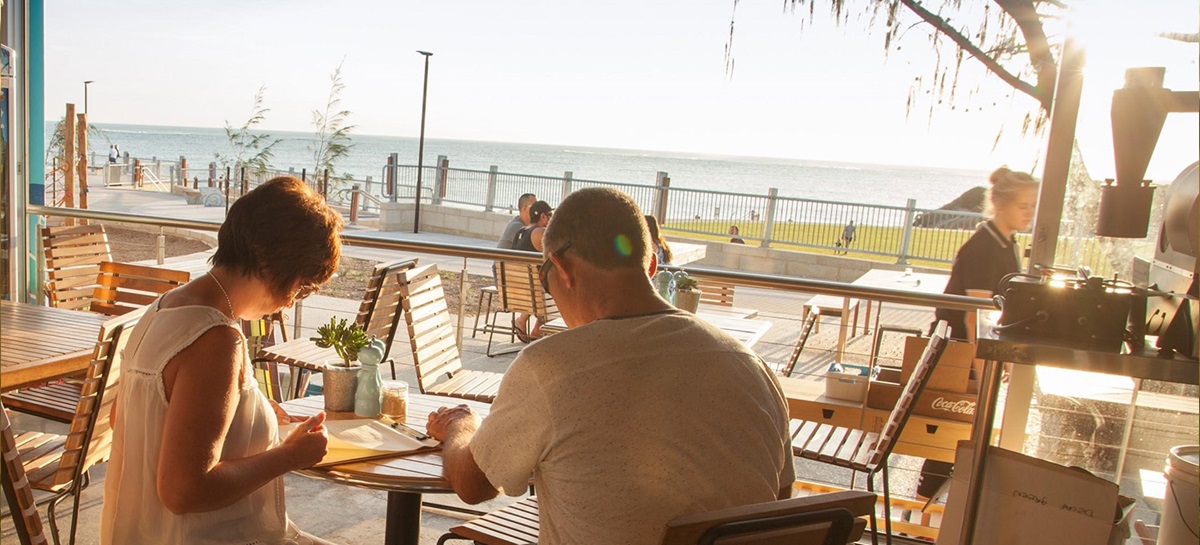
(69,166)
(81,152)
(325,185)
(245,182)
(354,199)
(212,173)
(910,216)
(137,173)
(443,177)
(662,184)
(567,183)
(162,247)
(491,189)
(228,173)
(769,225)
(390,183)
(183,173)
(1059,144)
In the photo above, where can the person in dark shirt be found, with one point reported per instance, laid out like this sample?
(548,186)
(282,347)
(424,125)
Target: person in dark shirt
(735,233)
(987,257)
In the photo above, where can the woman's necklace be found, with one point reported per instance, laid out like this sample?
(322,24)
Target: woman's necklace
(223,292)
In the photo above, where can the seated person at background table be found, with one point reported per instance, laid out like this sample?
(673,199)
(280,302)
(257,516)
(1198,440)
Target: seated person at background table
(662,250)
(519,222)
(638,413)
(196,454)
(735,233)
(529,239)
(988,256)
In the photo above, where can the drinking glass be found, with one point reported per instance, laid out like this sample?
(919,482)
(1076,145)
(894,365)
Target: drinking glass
(395,400)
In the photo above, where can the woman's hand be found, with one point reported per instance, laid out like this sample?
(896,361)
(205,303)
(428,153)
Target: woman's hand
(308,442)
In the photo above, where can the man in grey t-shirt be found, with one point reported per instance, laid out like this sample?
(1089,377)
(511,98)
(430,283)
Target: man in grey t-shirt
(637,414)
(518,222)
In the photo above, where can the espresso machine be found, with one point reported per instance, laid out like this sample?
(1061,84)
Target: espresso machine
(1160,299)
(1164,295)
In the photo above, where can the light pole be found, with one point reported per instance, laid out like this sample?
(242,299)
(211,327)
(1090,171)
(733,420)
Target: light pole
(85,84)
(421,146)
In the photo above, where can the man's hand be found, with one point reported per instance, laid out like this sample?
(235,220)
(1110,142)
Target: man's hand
(441,420)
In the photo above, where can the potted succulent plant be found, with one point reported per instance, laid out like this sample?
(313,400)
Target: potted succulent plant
(687,292)
(340,378)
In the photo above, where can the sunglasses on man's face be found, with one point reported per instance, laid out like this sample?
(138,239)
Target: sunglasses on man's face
(548,264)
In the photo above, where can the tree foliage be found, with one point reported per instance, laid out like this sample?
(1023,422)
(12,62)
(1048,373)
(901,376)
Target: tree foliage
(248,148)
(332,128)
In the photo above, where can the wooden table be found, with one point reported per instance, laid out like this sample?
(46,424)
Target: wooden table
(913,282)
(405,478)
(745,330)
(42,343)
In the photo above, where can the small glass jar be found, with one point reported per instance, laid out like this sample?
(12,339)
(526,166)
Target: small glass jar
(395,400)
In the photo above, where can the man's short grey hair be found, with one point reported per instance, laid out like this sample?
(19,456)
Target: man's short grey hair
(604,228)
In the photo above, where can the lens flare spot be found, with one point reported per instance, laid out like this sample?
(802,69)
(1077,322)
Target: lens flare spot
(623,245)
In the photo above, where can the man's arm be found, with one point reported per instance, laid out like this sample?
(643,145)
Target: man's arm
(454,427)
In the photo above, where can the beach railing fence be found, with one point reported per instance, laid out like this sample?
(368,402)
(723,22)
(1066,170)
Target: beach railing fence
(905,233)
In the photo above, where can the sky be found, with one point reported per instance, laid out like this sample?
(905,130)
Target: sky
(621,74)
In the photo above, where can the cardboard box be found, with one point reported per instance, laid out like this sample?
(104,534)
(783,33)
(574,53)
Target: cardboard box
(953,370)
(1030,501)
(850,385)
(932,403)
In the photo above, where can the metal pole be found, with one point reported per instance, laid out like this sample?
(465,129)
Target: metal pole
(85,97)
(421,146)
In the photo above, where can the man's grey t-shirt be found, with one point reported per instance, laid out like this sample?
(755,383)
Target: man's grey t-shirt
(510,233)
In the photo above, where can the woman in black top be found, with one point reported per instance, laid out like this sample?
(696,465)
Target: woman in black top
(530,240)
(987,257)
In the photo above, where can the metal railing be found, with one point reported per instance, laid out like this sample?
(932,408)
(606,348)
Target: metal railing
(780,282)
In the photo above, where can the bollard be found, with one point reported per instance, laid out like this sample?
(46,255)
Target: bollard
(182,170)
(162,246)
(354,198)
(137,173)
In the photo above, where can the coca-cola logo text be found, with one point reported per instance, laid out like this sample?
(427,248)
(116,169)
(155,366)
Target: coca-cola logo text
(961,406)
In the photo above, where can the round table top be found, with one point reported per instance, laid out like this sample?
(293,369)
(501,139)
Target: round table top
(418,472)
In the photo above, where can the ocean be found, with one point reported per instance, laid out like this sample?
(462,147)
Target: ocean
(864,183)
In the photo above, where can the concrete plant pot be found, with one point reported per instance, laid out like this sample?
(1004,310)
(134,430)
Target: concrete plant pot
(339,384)
(688,300)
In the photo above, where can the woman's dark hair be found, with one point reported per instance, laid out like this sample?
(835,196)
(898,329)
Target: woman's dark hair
(283,233)
(657,238)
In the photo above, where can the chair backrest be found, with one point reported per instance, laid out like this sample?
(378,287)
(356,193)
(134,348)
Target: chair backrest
(714,291)
(73,255)
(379,312)
(774,523)
(806,329)
(16,487)
(912,390)
(430,331)
(521,289)
(122,288)
(89,437)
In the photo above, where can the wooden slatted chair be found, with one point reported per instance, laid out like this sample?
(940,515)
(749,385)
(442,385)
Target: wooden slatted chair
(434,343)
(520,292)
(72,257)
(806,329)
(819,519)
(859,450)
(60,464)
(379,313)
(17,491)
(122,288)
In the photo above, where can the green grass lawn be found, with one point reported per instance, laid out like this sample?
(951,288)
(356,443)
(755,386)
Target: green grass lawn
(929,247)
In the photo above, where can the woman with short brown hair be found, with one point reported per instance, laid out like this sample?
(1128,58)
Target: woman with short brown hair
(196,455)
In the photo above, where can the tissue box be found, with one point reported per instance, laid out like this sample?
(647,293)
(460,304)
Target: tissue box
(848,385)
